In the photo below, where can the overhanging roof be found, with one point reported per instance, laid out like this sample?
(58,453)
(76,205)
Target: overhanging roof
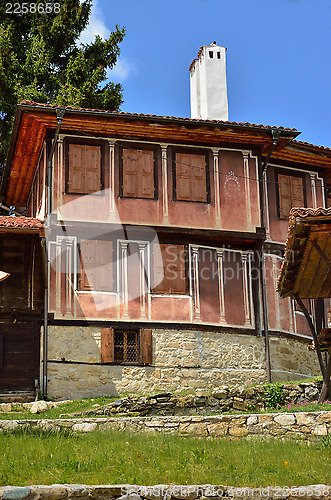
(304,271)
(33,120)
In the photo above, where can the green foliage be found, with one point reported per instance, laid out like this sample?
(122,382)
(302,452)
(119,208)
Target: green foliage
(274,395)
(40,60)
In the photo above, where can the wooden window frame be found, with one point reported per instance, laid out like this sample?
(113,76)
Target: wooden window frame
(86,288)
(186,270)
(143,147)
(289,173)
(201,152)
(144,346)
(85,142)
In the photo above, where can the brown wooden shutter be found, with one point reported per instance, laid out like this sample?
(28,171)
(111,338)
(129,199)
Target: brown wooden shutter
(284,190)
(107,345)
(92,164)
(173,267)
(297,192)
(138,173)
(159,269)
(177,269)
(183,177)
(104,263)
(146,347)
(199,190)
(76,174)
(97,265)
(130,175)
(146,185)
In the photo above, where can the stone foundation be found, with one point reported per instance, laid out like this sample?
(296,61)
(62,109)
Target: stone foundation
(182,359)
(310,425)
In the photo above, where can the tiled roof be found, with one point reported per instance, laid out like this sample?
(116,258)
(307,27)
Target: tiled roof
(20,222)
(174,118)
(296,244)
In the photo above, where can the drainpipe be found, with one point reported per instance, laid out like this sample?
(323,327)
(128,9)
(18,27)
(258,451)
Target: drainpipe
(275,136)
(59,115)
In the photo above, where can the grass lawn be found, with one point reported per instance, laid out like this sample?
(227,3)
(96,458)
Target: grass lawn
(36,457)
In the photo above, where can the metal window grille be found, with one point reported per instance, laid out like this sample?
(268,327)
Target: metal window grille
(126,346)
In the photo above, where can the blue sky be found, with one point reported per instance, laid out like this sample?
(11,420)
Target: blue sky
(278,57)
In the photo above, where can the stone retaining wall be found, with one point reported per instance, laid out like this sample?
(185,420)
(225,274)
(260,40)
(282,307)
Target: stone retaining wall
(161,492)
(182,359)
(311,425)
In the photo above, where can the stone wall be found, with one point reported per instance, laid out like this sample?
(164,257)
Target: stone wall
(309,425)
(182,359)
(161,492)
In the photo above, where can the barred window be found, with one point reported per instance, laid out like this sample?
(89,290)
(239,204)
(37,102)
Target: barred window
(126,346)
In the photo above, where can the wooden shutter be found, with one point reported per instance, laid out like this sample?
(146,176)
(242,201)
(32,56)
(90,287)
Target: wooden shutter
(290,189)
(92,165)
(76,174)
(146,347)
(177,270)
(130,175)
(97,265)
(138,173)
(173,267)
(84,174)
(191,182)
(107,345)
(297,192)
(183,177)
(158,269)
(146,160)
(284,190)
(104,265)
(199,190)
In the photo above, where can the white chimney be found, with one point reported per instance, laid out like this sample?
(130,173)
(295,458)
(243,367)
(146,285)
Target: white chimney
(209,99)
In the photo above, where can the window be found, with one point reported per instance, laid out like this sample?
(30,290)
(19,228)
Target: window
(138,173)
(121,346)
(169,263)
(190,177)
(83,168)
(290,194)
(96,257)
(211,54)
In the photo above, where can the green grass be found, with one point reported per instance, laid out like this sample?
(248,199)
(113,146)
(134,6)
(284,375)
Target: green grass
(74,406)
(36,457)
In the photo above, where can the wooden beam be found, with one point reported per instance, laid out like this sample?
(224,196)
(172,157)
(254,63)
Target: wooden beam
(326,381)
(314,334)
(322,254)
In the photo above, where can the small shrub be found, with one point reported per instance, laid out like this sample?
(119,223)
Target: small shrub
(274,395)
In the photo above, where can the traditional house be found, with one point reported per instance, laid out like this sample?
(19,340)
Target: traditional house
(163,239)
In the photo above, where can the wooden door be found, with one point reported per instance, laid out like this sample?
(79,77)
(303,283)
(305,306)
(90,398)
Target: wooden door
(19,356)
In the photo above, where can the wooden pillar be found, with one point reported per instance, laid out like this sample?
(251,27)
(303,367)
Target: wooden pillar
(217,185)
(143,278)
(313,189)
(245,263)
(165,203)
(220,253)
(124,278)
(247,188)
(111,178)
(196,293)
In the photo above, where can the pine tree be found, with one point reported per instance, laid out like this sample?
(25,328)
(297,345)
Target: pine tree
(41,60)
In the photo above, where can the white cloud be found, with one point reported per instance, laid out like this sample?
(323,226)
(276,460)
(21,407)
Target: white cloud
(121,71)
(95,27)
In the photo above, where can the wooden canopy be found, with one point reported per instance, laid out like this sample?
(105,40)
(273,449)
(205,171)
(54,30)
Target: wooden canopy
(306,272)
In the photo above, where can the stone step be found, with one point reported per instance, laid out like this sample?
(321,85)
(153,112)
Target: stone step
(17,397)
